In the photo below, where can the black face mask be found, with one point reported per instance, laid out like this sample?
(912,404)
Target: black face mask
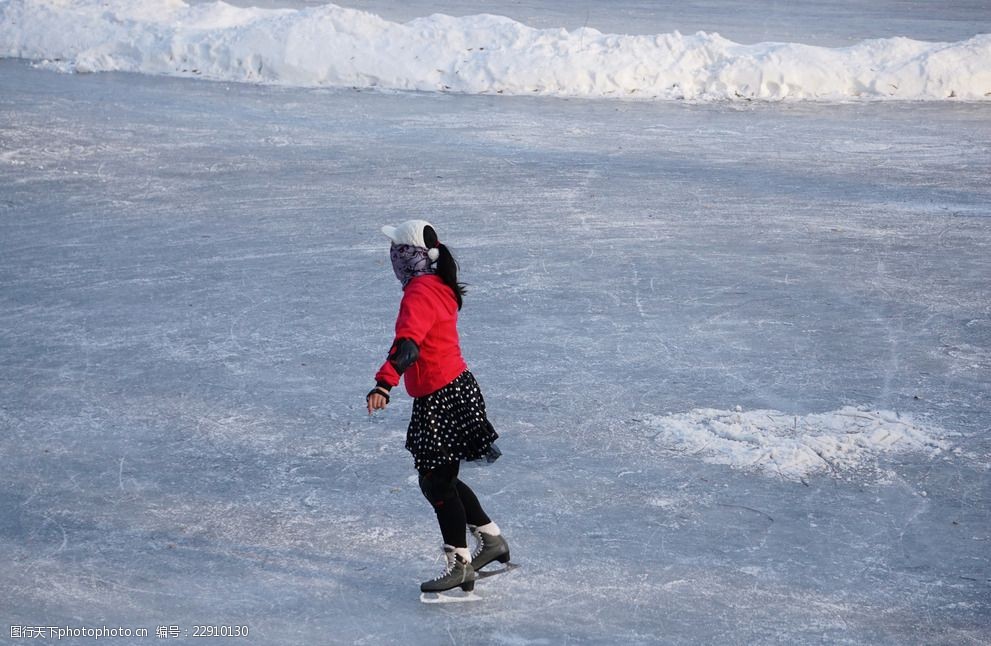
(409,261)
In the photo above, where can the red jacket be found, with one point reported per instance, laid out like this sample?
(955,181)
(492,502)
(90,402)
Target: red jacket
(428,315)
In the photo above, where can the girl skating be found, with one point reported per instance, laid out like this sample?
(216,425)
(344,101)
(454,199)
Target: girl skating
(448,422)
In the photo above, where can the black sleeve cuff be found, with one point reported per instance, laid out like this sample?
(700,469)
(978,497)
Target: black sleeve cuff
(376,391)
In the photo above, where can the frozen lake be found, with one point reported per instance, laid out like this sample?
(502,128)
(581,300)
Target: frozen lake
(194,297)
(832,24)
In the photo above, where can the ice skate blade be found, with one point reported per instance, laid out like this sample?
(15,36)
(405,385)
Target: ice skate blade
(449,596)
(506,567)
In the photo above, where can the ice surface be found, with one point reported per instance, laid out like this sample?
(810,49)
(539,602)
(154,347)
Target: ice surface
(194,296)
(830,24)
(482,54)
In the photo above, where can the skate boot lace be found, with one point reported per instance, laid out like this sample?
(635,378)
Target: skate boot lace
(448,566)
(479,544)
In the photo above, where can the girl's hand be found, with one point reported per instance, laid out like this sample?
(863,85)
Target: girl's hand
(376,402)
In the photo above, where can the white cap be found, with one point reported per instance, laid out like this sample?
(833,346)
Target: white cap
(411,233)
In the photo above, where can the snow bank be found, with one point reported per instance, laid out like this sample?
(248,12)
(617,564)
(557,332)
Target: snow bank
(334,46)
(793,446)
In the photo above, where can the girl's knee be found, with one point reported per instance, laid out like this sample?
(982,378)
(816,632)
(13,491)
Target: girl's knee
(437,487)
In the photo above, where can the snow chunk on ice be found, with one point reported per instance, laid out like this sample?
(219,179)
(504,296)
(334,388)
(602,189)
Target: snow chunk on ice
(334,46)
(794,446)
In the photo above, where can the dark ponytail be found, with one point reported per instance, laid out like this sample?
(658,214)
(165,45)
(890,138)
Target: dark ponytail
(447,266)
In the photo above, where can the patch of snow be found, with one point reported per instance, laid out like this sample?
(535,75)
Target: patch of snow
(794,446)
(335,46)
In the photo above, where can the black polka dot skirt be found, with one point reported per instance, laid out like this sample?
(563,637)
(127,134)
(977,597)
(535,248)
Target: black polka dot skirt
(450,425)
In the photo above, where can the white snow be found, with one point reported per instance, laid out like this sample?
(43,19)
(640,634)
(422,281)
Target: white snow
(794,446)
(334,46)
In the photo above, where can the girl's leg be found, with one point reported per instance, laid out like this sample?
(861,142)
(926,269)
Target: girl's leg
(439,487)
(473,509)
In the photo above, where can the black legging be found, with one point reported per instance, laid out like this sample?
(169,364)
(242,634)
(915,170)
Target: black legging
(454,502)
